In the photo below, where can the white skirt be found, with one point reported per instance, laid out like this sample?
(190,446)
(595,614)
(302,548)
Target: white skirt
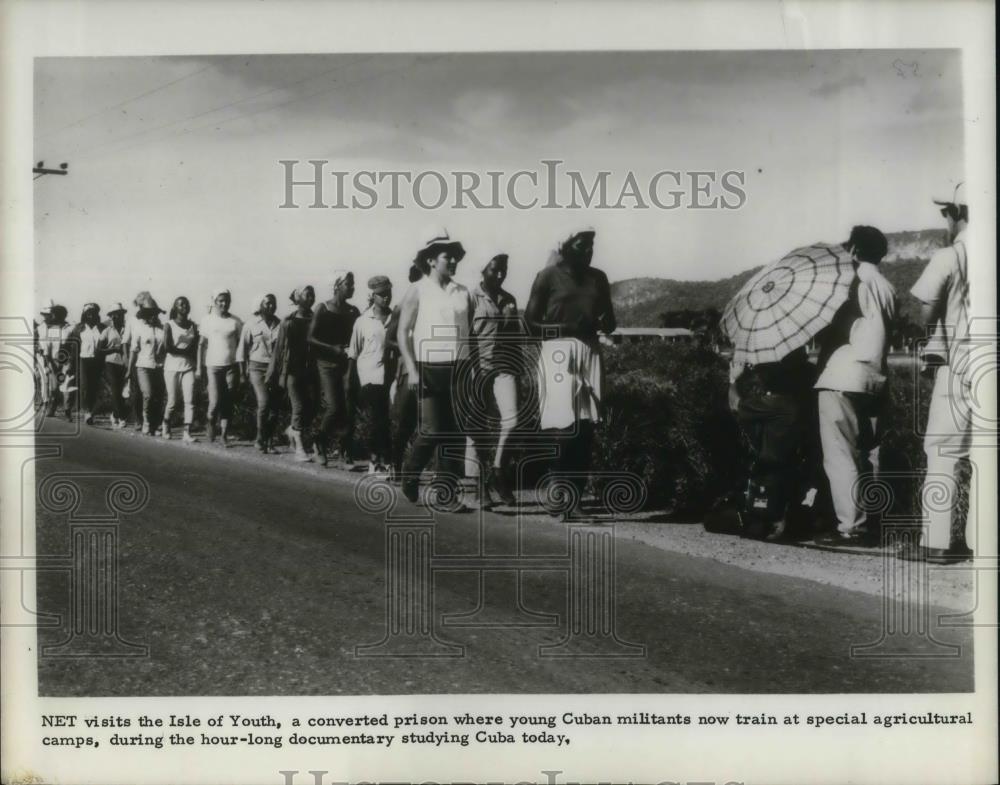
(569,382)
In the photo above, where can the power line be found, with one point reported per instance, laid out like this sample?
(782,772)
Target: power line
(83,154)
(124,103)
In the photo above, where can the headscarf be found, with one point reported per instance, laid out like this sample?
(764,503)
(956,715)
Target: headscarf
(336,279)
(298,293)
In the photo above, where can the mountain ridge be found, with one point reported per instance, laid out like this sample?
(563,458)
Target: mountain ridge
(640,302)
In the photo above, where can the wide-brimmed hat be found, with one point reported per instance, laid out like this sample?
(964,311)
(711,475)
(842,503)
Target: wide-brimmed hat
(47,309)
(957,198)
(438,240)
(116,307)
(54,310)
(90,307)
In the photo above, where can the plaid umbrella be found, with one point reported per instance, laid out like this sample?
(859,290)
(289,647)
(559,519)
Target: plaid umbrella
(784,305)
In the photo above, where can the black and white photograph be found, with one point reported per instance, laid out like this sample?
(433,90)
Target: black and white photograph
(429,373)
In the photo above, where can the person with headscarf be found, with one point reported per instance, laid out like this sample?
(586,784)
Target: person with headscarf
(402,396)
(329,337)
(134,394)
(84,340)
(180,336)
(51,339)
(367,354)
(146,360)
(293,369)
(114,349)
(220,337)
(255,352)
(570,303)
(434,324)
(495,326)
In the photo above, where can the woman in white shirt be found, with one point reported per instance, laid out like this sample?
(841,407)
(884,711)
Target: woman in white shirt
(84,339)
(180,337)
(220,337)
(146,358)
(434,325)
(114,348)
(367,353)
(255,352)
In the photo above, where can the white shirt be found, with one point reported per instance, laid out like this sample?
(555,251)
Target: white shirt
(147,344)
(51,338)
(221,337)
(946,279)
(182,338)
(112,339)
(859,365)
(441,331)
(367,347)
(90,338)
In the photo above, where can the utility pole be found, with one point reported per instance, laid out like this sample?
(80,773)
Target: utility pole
(39,169)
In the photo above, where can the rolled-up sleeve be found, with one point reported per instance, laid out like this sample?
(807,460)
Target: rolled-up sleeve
(932,285)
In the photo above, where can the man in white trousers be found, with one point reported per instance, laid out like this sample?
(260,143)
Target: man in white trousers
(851,389)
(943,290)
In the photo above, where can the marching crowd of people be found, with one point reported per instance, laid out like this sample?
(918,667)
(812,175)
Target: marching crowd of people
(450,360)
(446,359)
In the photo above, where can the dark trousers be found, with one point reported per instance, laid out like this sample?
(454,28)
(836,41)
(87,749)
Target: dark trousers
(267,413)
(575,449)
(375,398)
(89,384)
(114,377)
(301,398)
(405,406)
(774,426)
(336,430)
(437,431)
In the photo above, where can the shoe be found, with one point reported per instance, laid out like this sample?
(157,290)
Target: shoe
(496,482)
(837,539)
(165,434)
(934,555)
(210,431)
(261,447)
(187,438)
(322,455)
(777,531)
(146,431)
(89,419)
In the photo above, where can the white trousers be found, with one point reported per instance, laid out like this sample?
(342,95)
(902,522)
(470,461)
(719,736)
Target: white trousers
(848,429)
(505,395)
(946,442)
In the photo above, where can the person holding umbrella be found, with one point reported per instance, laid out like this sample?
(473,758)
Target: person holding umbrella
(851,385)
(770,322)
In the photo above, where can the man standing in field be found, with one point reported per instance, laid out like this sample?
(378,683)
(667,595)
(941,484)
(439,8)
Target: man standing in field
(851,387)
(943,290)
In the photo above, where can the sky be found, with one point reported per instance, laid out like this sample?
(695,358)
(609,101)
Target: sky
(174,183)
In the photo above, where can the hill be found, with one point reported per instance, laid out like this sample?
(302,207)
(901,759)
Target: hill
(639,302)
